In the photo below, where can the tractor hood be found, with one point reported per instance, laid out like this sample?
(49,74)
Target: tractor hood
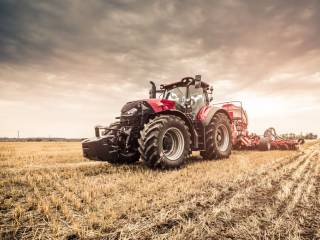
(130,106)
(157,105)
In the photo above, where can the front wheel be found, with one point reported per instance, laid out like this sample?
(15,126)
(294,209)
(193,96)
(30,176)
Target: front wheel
(218,138)
(164,142)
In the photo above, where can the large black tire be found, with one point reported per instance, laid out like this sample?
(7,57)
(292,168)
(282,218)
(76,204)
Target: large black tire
(218,138)
(164,142)
(122,157)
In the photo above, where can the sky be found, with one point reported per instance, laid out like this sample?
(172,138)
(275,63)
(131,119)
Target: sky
(66,66)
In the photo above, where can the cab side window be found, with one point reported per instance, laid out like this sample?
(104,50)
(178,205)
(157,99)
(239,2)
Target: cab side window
(197,99)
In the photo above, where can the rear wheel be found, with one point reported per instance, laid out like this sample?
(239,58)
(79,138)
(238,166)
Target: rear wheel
(218,138)
(164,142)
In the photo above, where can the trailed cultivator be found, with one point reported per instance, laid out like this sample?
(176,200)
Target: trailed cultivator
(241,139)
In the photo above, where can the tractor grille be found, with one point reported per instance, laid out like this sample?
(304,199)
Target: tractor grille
(130,120)
(129,105)
(138,118)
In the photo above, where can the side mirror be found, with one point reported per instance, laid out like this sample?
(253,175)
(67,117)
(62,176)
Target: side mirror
(197,81)
(153,90)
(210,91)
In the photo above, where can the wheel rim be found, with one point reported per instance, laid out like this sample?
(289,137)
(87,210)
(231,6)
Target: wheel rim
(222,138)
(173,143)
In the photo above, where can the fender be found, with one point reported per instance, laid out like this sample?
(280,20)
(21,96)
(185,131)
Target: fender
(164,106)
(188,121)
(206,114)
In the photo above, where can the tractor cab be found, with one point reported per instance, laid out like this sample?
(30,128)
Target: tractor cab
(189,94)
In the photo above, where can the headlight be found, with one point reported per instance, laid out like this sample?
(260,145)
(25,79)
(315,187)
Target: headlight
(132,111)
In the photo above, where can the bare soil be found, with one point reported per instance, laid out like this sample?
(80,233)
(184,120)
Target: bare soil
(48,191)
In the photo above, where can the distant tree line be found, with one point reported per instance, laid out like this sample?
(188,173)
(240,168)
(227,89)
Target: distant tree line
(297,136)
(39,139)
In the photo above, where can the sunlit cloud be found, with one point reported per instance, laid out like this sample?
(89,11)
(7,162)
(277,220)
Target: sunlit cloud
(67,65)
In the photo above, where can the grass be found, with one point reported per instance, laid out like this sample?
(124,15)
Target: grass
(48,191)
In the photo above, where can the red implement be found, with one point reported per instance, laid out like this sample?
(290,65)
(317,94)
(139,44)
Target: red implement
(241,138)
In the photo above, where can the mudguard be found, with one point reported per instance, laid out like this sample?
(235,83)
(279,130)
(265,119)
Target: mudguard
(206,114)
(181,115)
(188,121)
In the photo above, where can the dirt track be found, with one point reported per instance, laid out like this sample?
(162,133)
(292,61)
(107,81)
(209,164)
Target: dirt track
(49,191)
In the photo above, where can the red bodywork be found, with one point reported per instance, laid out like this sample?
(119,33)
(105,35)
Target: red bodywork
(159,105)
(243,140)
(284,144)
(239,126)
(202,114)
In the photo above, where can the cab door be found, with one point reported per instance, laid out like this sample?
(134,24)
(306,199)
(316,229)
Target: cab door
(198,99)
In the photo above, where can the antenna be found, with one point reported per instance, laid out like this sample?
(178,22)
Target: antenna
(18,134)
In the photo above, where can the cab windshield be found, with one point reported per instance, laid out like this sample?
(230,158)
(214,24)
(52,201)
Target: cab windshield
(176,94)
(179,96)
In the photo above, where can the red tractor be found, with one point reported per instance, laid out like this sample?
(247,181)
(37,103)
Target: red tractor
(163,131)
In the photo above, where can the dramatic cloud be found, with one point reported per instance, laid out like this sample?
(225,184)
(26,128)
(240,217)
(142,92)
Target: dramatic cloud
(67,65)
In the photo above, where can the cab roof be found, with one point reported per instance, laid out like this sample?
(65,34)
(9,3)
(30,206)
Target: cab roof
(183,83)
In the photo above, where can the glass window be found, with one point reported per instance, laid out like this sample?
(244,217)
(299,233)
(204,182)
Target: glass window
(197,99)
(178,95)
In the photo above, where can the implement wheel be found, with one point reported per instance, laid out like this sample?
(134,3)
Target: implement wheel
(264,144)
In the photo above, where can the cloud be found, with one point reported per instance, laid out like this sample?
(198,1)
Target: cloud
(74,56)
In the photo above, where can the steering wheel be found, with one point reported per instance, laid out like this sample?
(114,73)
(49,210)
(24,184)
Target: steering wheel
(187,80)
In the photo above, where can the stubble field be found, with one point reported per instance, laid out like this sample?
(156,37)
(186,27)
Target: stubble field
(48,191)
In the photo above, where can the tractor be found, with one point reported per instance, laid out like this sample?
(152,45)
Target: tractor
(163,130)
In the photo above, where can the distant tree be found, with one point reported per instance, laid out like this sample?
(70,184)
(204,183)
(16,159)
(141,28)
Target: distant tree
(297,136)
(311,136)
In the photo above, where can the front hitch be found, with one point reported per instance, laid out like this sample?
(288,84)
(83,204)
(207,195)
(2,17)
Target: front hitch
(99,149)
(98,128)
